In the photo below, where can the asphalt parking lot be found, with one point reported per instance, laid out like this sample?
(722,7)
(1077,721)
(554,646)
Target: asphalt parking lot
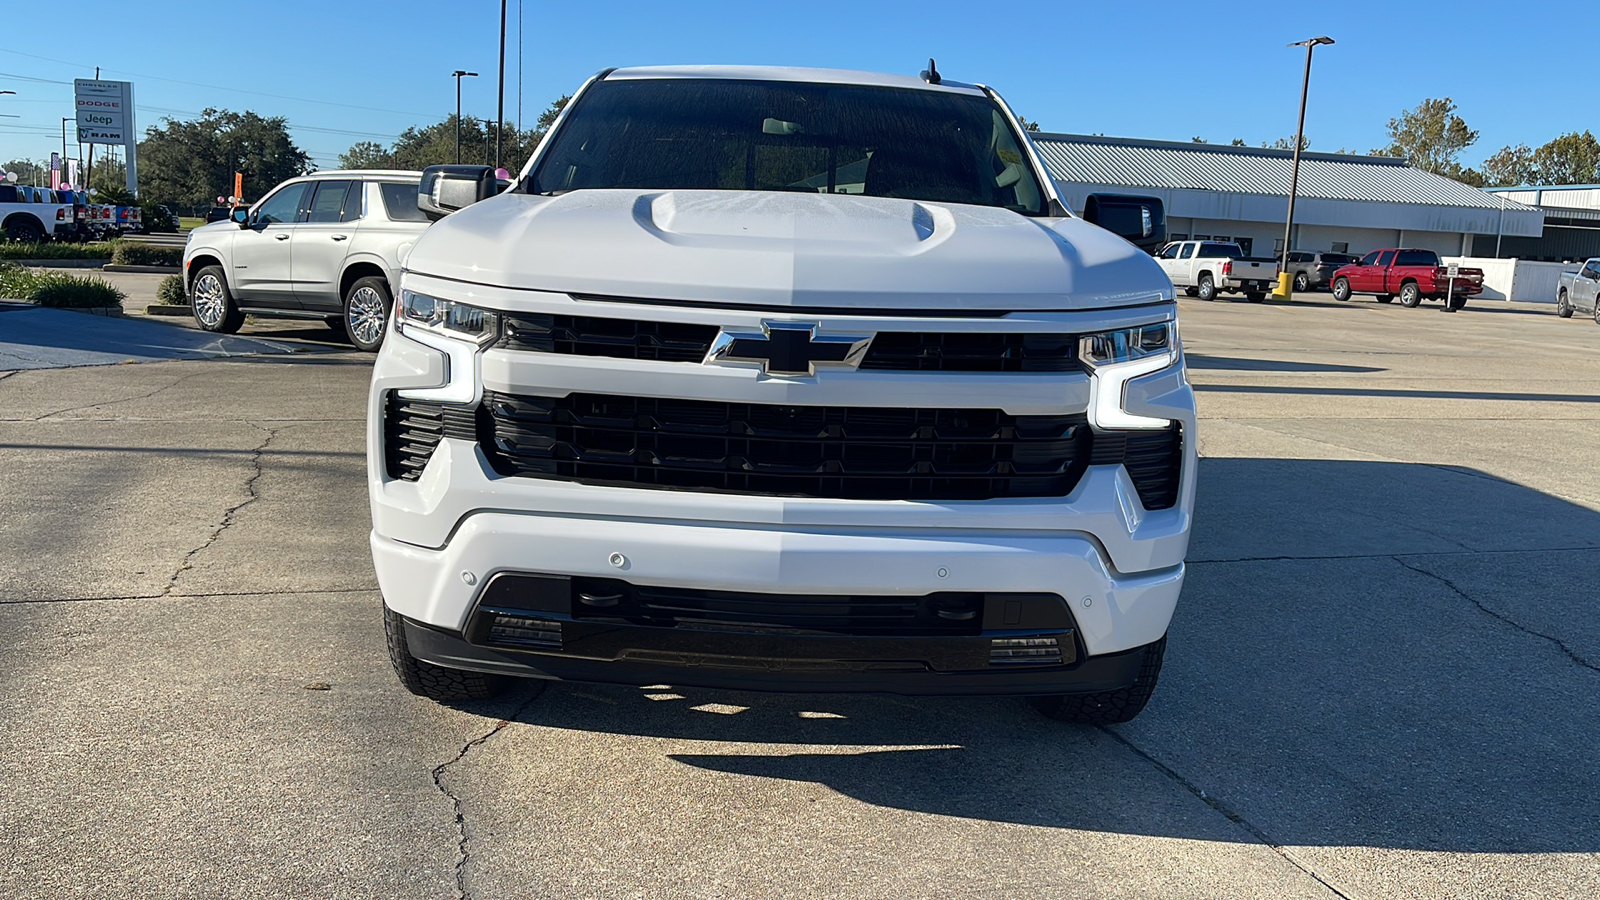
(1381,682)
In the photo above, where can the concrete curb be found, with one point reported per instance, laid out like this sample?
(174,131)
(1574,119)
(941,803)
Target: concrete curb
(166,309)
(147,270)
(59,263)
(113,312)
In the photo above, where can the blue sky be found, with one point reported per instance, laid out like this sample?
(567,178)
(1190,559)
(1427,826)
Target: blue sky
(346,71)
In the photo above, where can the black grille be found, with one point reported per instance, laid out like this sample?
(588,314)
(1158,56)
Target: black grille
(412,429)
(812,451)
(949,613)
(959,352)
(619,338)
(903,351)
(1154,460)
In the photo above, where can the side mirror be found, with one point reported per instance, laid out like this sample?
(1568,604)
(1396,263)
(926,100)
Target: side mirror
(1142,221)
(241,215)
(445,189)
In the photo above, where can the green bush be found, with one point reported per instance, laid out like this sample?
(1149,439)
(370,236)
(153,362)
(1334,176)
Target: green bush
(170,291)
(128,253)
(57,289)
(13,250)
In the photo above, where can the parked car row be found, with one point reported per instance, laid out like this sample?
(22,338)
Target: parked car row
(33,214)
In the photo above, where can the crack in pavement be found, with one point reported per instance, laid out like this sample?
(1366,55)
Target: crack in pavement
(228,515)
(1562,645)
(174,383)
(455,800)
(1227,812)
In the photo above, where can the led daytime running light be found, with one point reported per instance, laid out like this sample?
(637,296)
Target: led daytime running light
(446,317)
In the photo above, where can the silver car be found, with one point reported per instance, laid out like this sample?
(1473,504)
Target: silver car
(322,246)
(1580,291)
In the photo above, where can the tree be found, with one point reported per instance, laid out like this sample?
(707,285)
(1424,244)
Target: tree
(1510,166)
(27,171)
(1198,140)
(1430,137)
(1237,142)
(190,163)
(110,176)
(435,144)
(1569,159)
(1027,125)
(1285,143)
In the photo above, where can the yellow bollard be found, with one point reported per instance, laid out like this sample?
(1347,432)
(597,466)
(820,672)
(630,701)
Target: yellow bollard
(1282,292)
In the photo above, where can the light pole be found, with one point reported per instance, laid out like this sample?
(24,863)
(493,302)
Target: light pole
(500,108)
(458,75)
(64,121)
(1284,279)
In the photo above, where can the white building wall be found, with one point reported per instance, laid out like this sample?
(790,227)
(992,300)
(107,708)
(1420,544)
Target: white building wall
(1322,237)
(1526,281)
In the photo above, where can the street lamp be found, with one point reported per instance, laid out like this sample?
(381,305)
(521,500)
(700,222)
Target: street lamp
(458,75)
(1294,177)
(500,107)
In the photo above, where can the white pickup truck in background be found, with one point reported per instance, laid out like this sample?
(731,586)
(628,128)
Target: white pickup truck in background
(1206,268)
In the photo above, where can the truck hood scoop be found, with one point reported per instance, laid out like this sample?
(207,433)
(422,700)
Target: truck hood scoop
(788,250)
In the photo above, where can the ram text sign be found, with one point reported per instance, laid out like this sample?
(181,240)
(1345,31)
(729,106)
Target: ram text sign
(105,111)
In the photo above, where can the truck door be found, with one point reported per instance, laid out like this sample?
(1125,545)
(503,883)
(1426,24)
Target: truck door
(1586,286)
(1184,267)
(1168,260)
(1378,276)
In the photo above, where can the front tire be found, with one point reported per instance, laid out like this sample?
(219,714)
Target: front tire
(1410,295)
(428,680)
(1341,289)
(212,303)
(1563,308)
(366,312)
(1301,282)
(1109,707)
(1207,288)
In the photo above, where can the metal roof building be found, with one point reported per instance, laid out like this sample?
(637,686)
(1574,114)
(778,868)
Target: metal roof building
(1344,202)
(1571,222)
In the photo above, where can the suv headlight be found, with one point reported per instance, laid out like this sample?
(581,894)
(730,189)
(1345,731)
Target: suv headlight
(1114,358)
(446,317)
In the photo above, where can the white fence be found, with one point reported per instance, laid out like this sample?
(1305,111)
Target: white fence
(1522,280)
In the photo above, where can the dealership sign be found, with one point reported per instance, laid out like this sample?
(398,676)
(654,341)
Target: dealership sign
(105,111)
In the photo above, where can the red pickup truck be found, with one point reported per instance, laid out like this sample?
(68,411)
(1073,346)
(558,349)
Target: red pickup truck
(1414,275)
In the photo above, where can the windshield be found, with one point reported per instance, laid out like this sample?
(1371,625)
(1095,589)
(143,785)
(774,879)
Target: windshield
(691,134)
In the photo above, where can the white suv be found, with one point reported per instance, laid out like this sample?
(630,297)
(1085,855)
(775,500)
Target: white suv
(782,379)
(323,246)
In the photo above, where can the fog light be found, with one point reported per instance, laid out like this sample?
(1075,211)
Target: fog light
(1031,650)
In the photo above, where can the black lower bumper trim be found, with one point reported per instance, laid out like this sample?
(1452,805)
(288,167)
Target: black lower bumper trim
(856,665)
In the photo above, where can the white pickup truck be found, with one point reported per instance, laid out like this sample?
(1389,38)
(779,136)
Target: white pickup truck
(781,379)
(1205,269)
(30,215)
(1580,291)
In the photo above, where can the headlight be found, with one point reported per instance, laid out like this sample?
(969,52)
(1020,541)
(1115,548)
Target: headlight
(446,317)
(1128,344)
(1116,357)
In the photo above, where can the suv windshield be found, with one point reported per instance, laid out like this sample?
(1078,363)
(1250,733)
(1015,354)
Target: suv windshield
(691,134)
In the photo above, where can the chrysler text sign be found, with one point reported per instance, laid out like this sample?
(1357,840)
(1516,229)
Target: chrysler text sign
(105,111)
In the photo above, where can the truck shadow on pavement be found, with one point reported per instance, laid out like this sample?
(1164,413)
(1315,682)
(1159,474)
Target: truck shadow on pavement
(1366,654)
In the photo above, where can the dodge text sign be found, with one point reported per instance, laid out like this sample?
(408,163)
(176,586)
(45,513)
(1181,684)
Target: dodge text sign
(105,111)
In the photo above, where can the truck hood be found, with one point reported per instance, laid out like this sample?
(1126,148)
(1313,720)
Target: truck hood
(787,250)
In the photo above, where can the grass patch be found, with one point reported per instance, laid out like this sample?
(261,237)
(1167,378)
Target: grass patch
(189,223)
(128,253)
(57,289)
(55,250)
(170,291)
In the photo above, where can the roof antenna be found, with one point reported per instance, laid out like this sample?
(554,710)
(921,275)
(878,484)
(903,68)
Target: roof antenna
(931,74)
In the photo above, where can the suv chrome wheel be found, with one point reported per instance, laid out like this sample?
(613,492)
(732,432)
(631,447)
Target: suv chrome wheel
(366,315)
(210,302)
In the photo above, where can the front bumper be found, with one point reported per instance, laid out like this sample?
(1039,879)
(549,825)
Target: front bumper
(1114,567)
(842,665)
